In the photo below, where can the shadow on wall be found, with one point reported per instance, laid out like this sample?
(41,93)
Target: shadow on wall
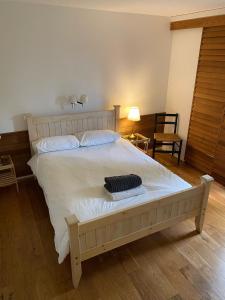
(62,101)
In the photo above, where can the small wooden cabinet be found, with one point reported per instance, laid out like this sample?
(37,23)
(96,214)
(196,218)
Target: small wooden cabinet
(7,172)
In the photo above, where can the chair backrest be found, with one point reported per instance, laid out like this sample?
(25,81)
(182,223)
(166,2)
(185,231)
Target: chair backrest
(160,119)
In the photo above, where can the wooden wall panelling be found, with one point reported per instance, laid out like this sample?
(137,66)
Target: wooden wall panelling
(210,22)
(219,163)
(145,126)
(208,101)
(198,159)
(17,145)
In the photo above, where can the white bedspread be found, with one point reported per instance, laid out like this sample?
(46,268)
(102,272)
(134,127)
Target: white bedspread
(73,181)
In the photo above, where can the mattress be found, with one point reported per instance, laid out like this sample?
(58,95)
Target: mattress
(73,180)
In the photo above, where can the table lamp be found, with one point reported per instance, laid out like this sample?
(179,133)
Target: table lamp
(133,115)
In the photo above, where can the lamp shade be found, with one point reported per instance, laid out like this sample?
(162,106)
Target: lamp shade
(134,114)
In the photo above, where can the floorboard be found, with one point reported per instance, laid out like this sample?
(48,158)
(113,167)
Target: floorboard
(173,264)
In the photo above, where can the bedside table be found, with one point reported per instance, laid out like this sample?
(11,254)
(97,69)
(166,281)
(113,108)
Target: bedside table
(7,172)
(137,140)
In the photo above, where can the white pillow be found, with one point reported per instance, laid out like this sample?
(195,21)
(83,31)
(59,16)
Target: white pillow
(56,143)
(98,137)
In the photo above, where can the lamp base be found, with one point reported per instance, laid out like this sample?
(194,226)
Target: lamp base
(132,136)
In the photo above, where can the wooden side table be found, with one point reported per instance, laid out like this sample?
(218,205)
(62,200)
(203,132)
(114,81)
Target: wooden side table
(138,139)
(7,172)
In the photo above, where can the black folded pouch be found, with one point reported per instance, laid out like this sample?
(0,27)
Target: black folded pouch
(117,184)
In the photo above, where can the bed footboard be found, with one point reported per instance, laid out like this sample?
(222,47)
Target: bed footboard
(88,239)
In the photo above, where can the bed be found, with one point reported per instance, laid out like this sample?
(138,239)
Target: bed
(85,221)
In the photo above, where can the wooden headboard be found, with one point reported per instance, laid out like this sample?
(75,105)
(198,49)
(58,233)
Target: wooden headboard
(47,126)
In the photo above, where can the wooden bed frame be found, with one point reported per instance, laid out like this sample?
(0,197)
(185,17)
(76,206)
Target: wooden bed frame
(91,238)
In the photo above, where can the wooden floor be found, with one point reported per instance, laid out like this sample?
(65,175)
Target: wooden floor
(173,264)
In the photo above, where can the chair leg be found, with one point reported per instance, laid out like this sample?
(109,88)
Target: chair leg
(180,148)
(153,149)
(173,149)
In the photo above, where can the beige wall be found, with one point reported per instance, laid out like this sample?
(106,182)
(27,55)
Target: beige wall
(48,52)
(183,67)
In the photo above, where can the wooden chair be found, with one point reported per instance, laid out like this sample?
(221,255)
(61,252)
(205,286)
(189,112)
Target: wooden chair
(167,139)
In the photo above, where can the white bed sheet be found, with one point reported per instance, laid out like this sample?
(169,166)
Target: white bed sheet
(73,180)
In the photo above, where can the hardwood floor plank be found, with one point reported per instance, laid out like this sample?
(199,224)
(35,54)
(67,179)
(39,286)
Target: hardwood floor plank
(7,293)
(192,256)
(176,297)
(143,285)
(157,279)
(171,268)
(75,295)
(127,260)
(173,264)
(196,279)
(120,280)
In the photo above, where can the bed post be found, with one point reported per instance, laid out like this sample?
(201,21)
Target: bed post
(31,133)
(73,229)
(206,180)
(117,117)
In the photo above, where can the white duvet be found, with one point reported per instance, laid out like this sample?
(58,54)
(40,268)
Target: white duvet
(73,180)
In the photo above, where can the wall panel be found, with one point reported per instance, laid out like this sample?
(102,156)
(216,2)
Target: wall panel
(219,163)
(206,137)
(17,145)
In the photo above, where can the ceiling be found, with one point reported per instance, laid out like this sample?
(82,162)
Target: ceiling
(152,7)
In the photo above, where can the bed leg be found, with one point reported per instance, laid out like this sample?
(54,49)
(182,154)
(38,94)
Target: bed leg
(76,269)
(206,180)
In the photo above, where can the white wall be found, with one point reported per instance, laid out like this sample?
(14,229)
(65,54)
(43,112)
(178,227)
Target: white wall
(48,52)
(183,67)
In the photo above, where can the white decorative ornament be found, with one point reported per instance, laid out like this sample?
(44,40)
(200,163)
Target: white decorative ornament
(78,100)
(83,99)
(73,100)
